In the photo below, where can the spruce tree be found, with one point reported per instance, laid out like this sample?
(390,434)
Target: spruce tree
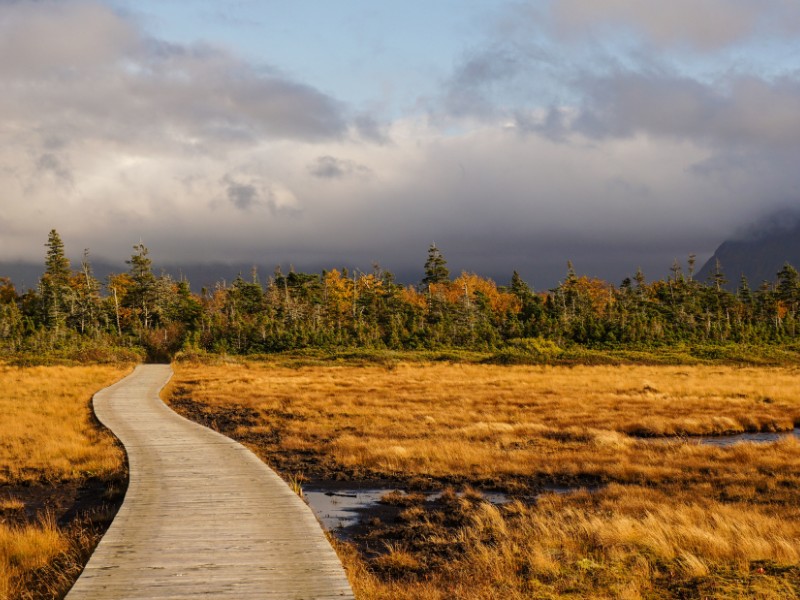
(518,287)
(436,270)
(142,295)
(718,276)
(56,263)
(87,295)
(54,285)
(744,294)
(788,288)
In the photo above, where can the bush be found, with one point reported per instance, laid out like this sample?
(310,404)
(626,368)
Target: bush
(527,351)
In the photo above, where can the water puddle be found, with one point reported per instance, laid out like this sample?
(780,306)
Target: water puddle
(759,437)
(723,441)
(340,508)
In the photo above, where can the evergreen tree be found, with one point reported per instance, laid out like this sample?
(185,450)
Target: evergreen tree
(788,287)
(718,276)
(11,324)
(142,294)
(788,292)
(518,287)
(54,285)
(56,263)
(744,294)
(87,296)
(531,304)
(436,270)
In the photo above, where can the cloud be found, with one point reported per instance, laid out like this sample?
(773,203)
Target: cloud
(531,153)
(740,110)
(329,167)
(50,164)
(243,196)
(489,79)
(705,25)
(114,82)
(369,129)
(542,85)
(248,194)
(470,88)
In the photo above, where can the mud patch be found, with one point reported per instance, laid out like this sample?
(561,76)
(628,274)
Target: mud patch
(69,502)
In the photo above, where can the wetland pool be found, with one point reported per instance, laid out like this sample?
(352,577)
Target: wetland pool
(340,508)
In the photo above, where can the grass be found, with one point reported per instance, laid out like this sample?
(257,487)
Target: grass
(28,549)
(50,441)
(674,519)
(486,423)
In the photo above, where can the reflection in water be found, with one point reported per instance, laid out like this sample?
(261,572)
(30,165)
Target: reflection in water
(342,508)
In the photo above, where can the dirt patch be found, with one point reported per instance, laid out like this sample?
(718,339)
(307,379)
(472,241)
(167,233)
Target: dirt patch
(68,502)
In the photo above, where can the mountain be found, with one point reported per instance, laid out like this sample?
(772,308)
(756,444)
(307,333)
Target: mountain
(759,251)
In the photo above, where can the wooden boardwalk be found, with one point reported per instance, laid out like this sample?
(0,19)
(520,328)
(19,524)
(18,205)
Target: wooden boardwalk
(203,516)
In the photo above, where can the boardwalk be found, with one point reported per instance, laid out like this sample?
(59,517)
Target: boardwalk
(203,516)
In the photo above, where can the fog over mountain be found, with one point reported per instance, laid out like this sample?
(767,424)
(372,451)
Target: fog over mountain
(515,135)
(758,251)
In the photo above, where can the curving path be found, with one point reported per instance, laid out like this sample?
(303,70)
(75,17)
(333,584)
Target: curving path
(203,516)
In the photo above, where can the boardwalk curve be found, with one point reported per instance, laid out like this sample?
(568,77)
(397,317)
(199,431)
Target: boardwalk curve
(203,516)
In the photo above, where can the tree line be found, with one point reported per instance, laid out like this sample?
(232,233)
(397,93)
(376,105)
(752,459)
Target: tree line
(71,308)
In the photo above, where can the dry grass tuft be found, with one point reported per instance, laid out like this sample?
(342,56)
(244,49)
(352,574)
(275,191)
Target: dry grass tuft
(11,504)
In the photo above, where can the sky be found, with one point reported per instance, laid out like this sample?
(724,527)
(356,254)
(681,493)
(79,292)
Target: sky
(514,135)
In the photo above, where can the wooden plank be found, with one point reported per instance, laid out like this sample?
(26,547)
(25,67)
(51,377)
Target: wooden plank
(203,516)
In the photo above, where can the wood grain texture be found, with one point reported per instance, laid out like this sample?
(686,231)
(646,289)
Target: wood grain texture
(203,516)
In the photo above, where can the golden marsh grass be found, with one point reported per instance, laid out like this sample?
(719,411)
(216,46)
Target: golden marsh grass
(491,422)
(49,437)
(48,429)
(675,518)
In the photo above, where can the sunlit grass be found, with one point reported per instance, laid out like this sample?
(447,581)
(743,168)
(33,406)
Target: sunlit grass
(487,421)
(676,519)
(48,436)
(25,549)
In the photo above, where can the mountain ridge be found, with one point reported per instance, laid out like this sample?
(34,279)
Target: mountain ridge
(758,252)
